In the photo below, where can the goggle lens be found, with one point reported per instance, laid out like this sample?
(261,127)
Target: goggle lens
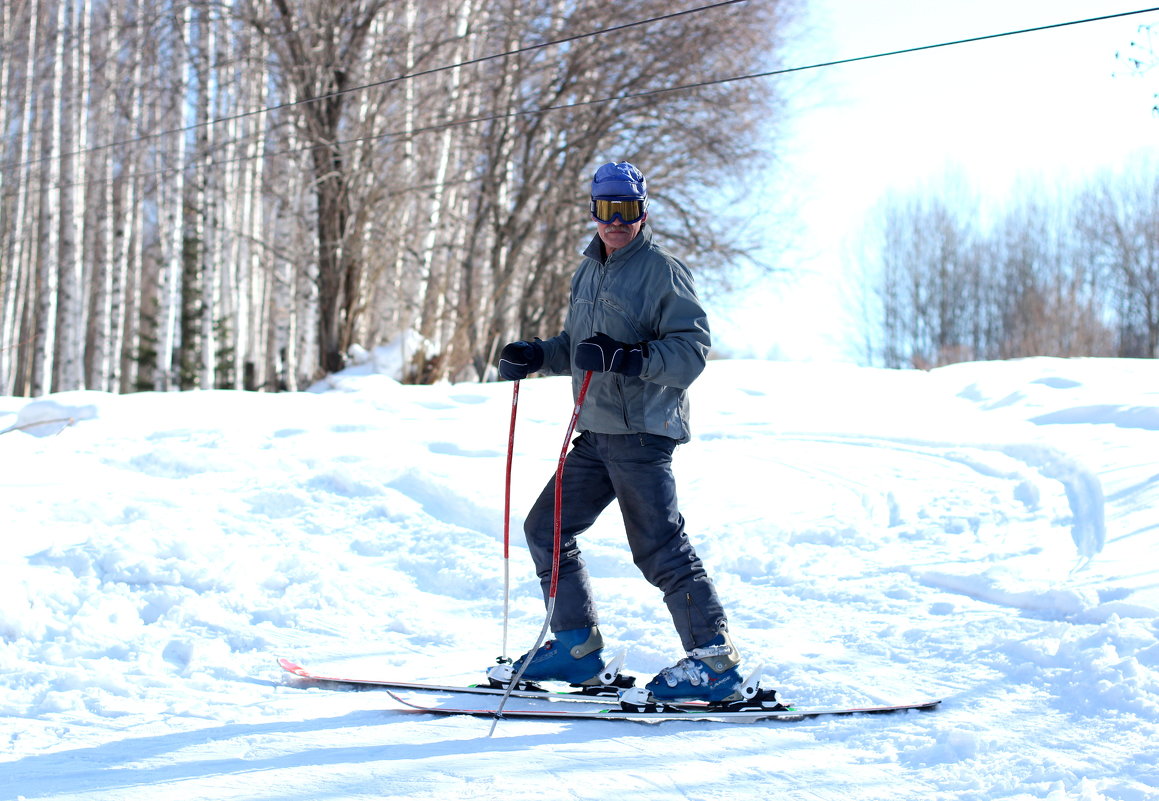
(629,211)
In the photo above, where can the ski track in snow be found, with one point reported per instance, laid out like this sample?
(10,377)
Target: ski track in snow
(983,533)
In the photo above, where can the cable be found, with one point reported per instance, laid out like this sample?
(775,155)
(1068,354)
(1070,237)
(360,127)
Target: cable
(920,48)
(768,74)
(641,94)
(378,84)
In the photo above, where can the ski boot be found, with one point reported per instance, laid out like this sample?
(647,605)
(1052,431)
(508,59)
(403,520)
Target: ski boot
(574,656)
(708,674)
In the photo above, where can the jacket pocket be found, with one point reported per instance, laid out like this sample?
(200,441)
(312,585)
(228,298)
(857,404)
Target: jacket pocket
(623,396)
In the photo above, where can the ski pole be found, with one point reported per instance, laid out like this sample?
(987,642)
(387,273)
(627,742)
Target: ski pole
(579,403)
(507,521)
(551,592)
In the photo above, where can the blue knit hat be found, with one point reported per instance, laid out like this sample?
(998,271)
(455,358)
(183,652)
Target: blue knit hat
(621,180)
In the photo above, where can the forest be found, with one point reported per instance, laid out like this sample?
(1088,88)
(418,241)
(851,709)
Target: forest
(241,193)
(1057,270)
(234,194)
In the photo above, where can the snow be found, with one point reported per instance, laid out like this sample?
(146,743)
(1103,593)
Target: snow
(984,533)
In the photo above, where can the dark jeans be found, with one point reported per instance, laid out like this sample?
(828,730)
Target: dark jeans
(636,470)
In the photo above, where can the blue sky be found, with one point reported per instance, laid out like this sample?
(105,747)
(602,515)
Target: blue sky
(1052,106)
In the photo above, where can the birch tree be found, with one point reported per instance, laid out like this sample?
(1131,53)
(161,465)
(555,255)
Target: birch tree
(74,265)
(210,194)
(47,296)
(17,149)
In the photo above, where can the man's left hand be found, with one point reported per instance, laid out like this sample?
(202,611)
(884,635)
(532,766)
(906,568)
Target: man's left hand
(602,354)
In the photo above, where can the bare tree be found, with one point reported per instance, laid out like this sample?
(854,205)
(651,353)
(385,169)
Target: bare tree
(931,288)
(319,45)
(1028,284)
(550,117)
(1120,218)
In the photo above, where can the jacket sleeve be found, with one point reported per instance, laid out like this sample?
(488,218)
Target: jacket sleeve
(556,354)
(677,356)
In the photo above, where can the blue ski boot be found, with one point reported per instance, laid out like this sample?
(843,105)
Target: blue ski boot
(708,674)
(574,656)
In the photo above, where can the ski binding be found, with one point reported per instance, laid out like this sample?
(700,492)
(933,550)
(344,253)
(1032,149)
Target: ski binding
(609,683)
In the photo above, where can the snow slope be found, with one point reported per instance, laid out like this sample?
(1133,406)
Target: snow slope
(984,533)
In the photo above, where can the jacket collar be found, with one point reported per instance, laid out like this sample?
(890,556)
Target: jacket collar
(595,248)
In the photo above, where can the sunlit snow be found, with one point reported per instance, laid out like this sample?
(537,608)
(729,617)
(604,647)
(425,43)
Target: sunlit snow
(985,533)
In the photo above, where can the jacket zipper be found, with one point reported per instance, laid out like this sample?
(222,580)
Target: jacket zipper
(617,380)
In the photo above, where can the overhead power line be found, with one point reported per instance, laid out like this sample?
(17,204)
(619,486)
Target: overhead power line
(615,98)
(717,81)
(385,82)
(920,48)
(771,73)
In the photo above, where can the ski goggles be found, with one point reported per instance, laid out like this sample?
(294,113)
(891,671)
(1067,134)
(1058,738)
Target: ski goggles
(608,209)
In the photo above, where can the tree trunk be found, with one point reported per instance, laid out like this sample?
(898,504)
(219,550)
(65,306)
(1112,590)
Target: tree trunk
(169,286)
(73,105)
(15,278)
(44,349)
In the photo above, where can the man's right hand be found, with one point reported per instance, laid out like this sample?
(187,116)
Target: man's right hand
(519,359)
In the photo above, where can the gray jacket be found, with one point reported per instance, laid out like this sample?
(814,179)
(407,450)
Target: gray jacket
(641,294)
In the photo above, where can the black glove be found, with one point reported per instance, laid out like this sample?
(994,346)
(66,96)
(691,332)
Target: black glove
(602,354)
(520,359)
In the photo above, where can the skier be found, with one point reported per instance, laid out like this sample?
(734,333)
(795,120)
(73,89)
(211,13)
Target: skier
(634,321)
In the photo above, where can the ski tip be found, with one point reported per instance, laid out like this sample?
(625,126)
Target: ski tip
(411,706)
(291,667)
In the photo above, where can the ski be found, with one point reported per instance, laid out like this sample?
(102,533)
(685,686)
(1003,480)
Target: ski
(705,713)
(527,690)
(608,694)
(691,710)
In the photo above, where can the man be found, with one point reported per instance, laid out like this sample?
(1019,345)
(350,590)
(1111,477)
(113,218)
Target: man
(635,322)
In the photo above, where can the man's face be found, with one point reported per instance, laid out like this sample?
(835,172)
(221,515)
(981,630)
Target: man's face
(617,234)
